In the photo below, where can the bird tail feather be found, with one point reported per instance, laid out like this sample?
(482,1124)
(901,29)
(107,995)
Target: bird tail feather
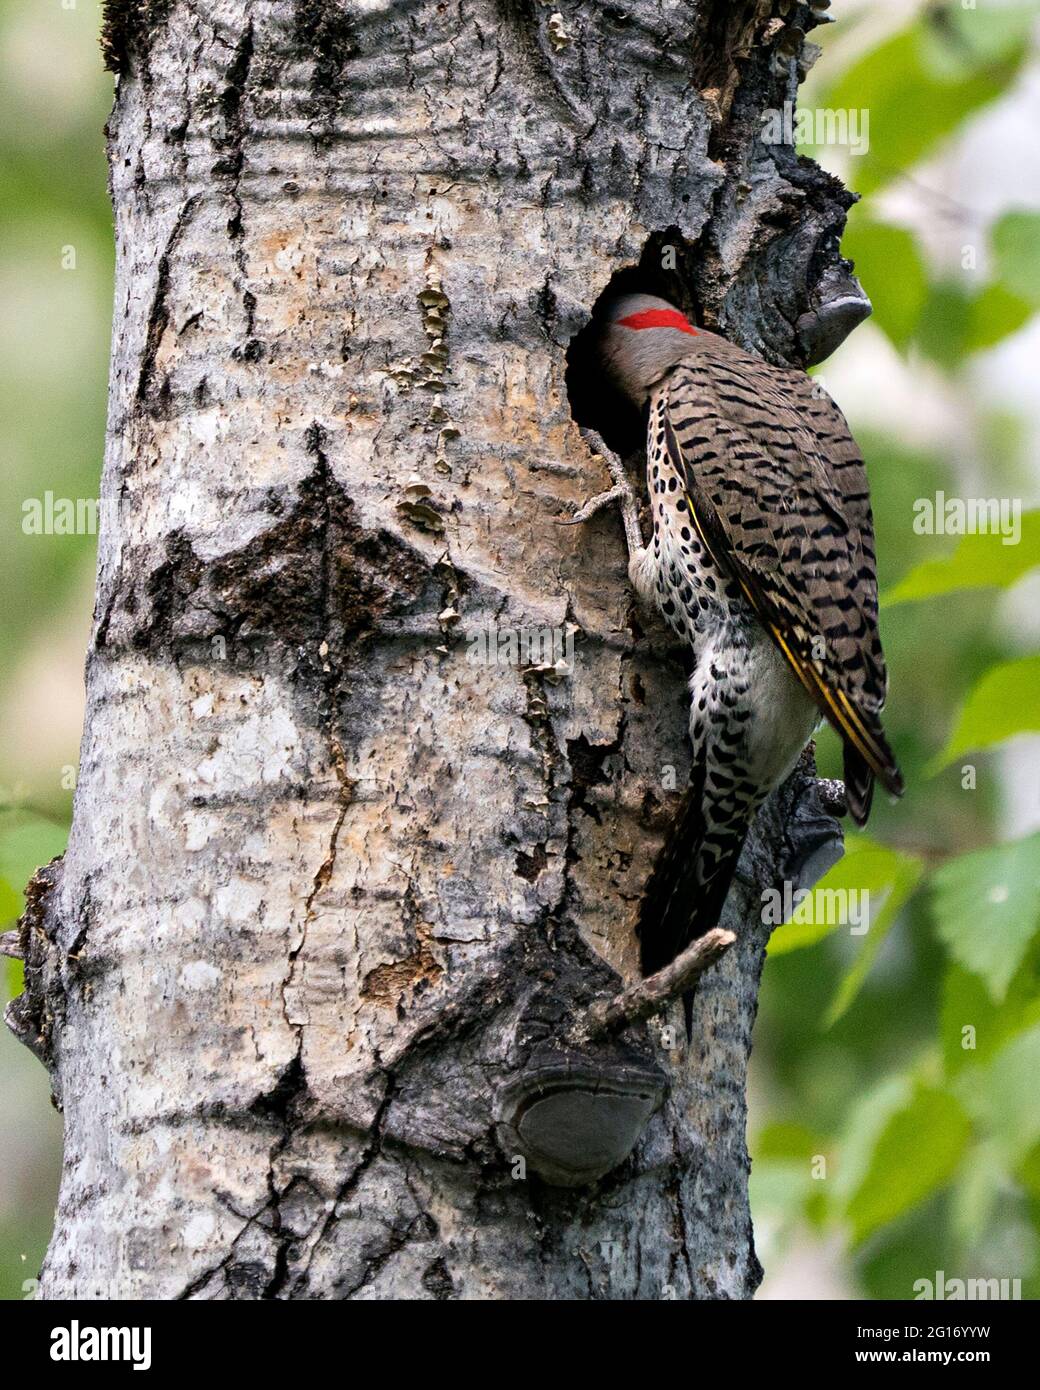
(682,901)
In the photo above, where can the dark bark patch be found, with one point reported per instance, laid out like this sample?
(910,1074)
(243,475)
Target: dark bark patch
(315,575)
(246,1282)
(126,30)
(437,1281)
(326,31)
(279,1105)
(35,1015)
(587,770)
(159,317)
(529,866)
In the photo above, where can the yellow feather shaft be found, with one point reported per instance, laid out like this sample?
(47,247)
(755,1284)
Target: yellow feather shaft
(836,704)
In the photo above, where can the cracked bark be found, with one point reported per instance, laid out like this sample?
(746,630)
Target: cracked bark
(336,898)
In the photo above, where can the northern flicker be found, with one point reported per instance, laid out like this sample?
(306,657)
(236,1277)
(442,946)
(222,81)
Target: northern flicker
(762,561)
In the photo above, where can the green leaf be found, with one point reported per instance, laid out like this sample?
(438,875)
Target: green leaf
(980,1184)
(973,1027)
(1016,248)
(864,890)
(919,87)
(1028,1171)
(1002,1097)
(943,325)
(978,562)
(1005,702)
(916,1154)
(954,323)
(994,315)
(905,873)
(869,1115)
(783,1139)
(897,299)
(986,907)
(785,1173)
(784,1188)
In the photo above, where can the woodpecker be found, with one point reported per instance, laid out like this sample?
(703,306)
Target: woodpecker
(762,563)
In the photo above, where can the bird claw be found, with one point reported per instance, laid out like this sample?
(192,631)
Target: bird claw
(615,467)
(620,492)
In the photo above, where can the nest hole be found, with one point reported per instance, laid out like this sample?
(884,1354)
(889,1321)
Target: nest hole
(663,270)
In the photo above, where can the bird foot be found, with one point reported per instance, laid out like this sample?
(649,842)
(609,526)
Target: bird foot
(621,492)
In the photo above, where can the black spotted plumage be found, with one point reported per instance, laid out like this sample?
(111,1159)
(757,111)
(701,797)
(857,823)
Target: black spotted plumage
(762,562)
(777,487)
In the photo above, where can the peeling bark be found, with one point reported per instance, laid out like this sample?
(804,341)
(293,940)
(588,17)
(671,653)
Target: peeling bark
(337,898)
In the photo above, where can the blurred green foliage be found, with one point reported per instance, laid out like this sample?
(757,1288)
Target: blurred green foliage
(976,562)
(921,83)
(900,1112)
(1005,701)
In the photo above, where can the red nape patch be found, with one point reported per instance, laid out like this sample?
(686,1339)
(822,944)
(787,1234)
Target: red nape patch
(659,318)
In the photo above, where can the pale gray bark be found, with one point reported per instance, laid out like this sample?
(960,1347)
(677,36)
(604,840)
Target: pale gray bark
(336,899)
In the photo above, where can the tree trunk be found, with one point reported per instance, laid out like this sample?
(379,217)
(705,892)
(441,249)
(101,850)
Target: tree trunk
(349,864)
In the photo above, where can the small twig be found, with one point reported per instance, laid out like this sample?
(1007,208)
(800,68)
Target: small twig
(656,992)
(10,945)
